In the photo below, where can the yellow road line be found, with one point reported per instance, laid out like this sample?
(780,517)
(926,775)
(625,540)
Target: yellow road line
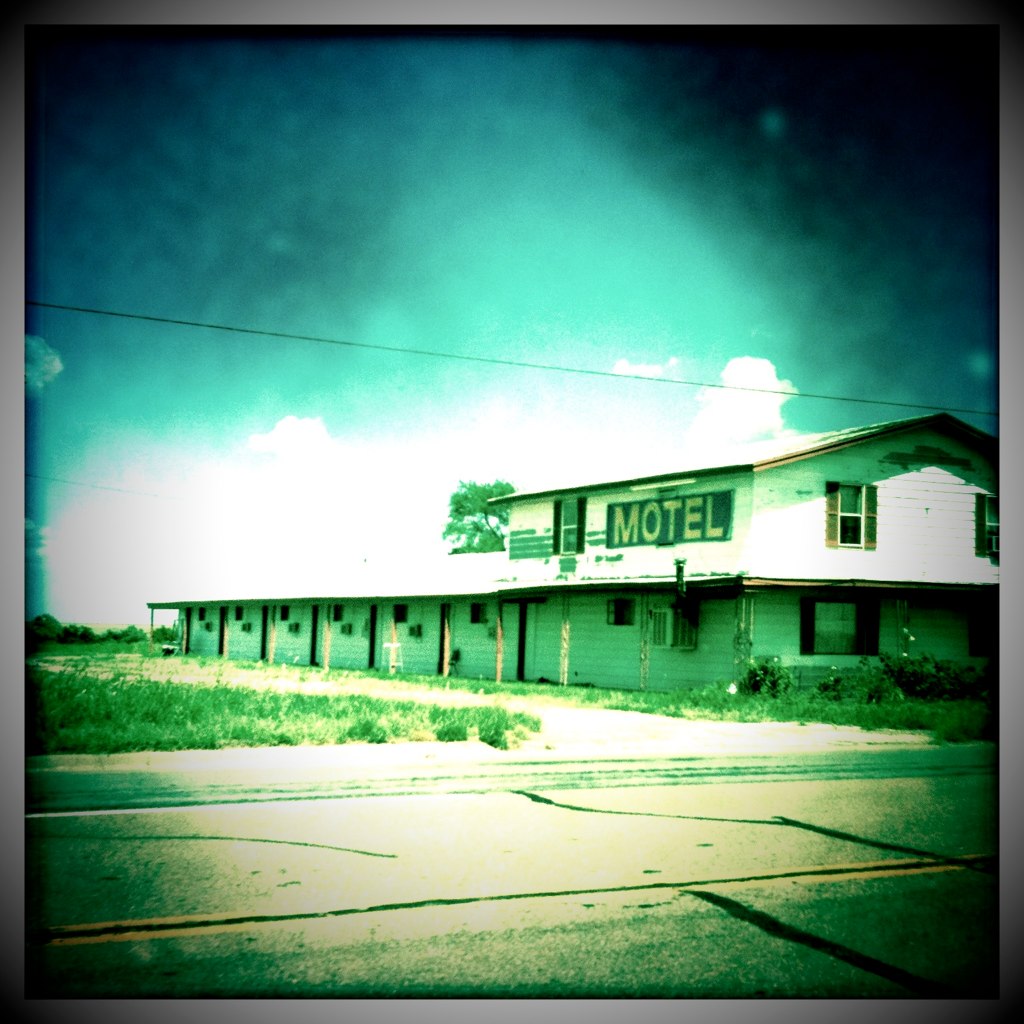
(189,925)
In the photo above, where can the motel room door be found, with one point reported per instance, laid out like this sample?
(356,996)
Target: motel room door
(518,621)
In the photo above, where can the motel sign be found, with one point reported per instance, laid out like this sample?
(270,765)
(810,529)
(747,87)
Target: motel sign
(671,520)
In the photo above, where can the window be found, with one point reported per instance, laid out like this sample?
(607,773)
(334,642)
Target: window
(477,612)
(284,612)
(682,632)
(839,626)
(239,613)
(401,613)
(621,611)
(986,525)
(338,612)
(570,525)
(202,614)
(851,516)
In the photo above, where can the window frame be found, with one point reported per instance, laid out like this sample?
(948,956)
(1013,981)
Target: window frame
(675,627)
(867,516)
(986,525)
(866,629)
(621,611)
(560,528)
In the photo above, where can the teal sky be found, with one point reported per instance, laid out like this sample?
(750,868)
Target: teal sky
(810,209)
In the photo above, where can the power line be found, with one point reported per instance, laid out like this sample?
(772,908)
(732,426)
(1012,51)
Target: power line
(495,361)
(98,487)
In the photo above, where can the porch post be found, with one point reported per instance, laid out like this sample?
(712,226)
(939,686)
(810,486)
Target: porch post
(326,645)
(563,660)
(645,642)
(499,646)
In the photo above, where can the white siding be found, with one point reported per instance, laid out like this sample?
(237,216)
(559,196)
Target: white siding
(925,515)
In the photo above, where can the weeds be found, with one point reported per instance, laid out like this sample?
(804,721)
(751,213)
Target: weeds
(75,712)
(109,701)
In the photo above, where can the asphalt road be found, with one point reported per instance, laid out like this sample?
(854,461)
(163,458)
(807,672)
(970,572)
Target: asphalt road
(860,873)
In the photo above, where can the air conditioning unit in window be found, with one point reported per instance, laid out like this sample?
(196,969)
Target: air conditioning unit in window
(246,627)
(346,628)
(416,630)
(208,626)
(293,627)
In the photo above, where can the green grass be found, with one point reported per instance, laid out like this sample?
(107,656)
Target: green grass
(86,712)
(108,700)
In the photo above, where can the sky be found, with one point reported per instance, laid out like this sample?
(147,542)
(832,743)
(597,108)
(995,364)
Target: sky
(285,291)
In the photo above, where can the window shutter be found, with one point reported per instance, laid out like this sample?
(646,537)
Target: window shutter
(556,538)
(581,524)
(831,515)
(806,625)
(870,517)
(980,525)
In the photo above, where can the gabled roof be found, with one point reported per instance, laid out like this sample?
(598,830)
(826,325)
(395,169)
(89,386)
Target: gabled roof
(760,455)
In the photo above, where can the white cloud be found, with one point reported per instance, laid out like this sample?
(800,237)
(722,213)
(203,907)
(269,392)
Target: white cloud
(42,363)
(294,438)
(748,407)
(628,369)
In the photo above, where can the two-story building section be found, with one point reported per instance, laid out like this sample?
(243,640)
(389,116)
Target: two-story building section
(818,551)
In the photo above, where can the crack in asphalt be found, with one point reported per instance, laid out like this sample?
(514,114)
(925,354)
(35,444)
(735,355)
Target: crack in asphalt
(226,839)
(777,820)
(773,926)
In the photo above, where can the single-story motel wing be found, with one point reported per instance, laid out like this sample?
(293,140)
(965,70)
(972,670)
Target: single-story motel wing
(818,551)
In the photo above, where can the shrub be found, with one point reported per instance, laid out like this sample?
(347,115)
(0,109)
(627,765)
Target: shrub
(768,677)
(494,723)
(867,684)
(452,731)
(927,678)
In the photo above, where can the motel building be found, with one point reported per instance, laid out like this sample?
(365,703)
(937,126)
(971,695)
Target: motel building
(818,551)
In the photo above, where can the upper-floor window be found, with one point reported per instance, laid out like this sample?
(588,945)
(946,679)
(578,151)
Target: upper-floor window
(401,613)
(986,525)
(570,526)
(285,610)
(239,613)
(851,516)
(337,612)
(478,612)
(202,614)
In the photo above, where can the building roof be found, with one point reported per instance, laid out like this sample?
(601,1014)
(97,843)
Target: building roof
(760,455)
(441,576)
(435,576)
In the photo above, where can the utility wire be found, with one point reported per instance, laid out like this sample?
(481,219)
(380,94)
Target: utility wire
(98,487)
(495,361)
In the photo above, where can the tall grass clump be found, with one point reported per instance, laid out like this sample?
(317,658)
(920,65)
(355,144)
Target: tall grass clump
(75,712)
